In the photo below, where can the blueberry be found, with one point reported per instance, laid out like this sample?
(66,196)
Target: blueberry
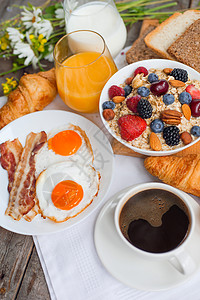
(185,98)
(127,89)
(168,99)
(195,130)
(157,125)
(143,91)
(152,77)
(108,104)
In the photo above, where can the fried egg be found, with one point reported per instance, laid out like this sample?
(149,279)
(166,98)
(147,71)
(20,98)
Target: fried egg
(67,143)
(66,182)
(65,189)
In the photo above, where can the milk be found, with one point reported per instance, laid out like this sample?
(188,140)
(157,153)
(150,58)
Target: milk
(102,18)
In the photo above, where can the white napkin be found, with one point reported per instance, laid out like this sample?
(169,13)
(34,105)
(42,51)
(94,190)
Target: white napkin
(71,266)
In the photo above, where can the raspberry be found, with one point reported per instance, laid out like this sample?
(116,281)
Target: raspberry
(115,90)
(132,103)
(140,70)
(179,74)
(171,135)
(131,127)
(193,91)
(144,109)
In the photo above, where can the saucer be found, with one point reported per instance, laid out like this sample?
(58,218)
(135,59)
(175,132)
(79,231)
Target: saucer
(129,267)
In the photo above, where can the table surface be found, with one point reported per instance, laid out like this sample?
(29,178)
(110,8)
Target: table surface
(21,274)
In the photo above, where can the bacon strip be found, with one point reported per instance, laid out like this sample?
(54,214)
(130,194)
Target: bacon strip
(10,155)
(22,194)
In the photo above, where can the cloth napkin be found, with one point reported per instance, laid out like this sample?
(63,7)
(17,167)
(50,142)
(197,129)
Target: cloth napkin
(69,260)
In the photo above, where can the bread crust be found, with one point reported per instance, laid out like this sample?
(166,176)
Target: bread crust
(149,37)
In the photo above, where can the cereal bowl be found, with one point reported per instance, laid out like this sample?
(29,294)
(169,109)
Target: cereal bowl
(141,144)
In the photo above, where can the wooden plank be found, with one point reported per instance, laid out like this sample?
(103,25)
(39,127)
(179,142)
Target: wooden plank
(33,282)
(15,251)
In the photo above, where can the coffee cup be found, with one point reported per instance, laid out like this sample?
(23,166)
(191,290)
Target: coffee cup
(156,221)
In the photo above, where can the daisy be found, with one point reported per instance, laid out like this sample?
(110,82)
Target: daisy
(70,5)
(14,35)
(31,18)
(23,50)
(45,28)
(49,56)
(59,14)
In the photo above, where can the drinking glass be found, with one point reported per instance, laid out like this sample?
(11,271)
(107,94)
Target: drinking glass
(100,16)
(83,65)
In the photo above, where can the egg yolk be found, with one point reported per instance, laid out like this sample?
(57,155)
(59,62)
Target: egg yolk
(67,194)
(65,143)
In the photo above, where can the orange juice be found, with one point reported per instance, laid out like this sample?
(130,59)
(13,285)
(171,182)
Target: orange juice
(80,79)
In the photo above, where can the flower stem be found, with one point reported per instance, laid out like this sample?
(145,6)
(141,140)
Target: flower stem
(14,70)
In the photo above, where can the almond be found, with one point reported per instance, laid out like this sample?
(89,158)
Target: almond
(186,137)
(177,83)
(186,111)
(129,80)
(155,142)
(118,99)
(167,70)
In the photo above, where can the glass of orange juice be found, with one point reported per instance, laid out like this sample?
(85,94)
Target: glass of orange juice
(83,65)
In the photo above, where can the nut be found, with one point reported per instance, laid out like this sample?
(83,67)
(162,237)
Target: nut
(118,99)
(155,142)
(129,80)
(108,114)
(137,82)
(177,83)
(172,117)
(167,70)
(186,111)
(186,138)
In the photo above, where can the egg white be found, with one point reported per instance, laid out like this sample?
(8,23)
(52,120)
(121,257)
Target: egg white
(86,176)
(47,157)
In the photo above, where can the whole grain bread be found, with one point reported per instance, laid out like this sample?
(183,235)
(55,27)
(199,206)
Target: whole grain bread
(139,50)
(161,38)
(186,48)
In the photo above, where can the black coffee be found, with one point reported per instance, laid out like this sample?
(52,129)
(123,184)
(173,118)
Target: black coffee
(155,221)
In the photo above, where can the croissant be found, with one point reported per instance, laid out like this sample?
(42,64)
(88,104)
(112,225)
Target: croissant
(180,172)
(34,92)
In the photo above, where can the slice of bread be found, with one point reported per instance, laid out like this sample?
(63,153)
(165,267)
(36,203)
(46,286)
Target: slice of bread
(186,48)
(161,38)
(139,50)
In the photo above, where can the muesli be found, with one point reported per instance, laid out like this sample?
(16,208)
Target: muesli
(155,109)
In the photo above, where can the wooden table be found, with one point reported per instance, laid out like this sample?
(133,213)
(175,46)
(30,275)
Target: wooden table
(21,274)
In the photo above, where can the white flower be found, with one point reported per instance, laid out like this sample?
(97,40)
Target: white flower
(45,28)
(60,15)
(14,35)
(31,18)
(70,5)
(49,56)
(23,50)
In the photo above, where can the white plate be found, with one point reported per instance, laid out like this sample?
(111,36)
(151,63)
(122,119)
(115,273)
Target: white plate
(47,120)
(128,267)
(127,71)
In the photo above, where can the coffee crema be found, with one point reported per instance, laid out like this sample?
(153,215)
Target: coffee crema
(155,220)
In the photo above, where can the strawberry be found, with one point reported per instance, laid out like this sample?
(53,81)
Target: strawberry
(193,91)
(115,90)
(140,70)
(131,127)
(132,103)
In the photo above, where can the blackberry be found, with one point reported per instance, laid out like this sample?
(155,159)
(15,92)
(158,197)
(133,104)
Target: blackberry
(179,74)
(171,135)
(144,109)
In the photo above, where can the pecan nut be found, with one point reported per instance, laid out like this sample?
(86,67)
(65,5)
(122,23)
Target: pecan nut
(171,117)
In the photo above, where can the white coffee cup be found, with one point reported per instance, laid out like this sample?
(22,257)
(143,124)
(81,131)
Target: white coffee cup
(179,257)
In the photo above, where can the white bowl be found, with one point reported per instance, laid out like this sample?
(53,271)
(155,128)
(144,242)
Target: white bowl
(119,78)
